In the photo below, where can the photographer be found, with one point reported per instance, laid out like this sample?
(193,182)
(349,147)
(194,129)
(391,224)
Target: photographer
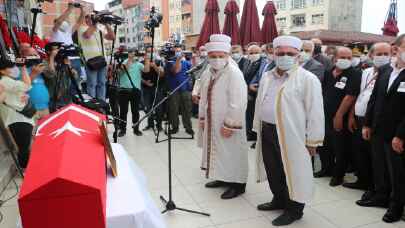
(176,70)
(151,88)
(91,41)
(14,98)
(130,95)
(59,74)
(63,31)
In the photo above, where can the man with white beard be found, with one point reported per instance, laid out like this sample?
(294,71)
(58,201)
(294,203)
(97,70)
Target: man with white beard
(289,120)
(222,119)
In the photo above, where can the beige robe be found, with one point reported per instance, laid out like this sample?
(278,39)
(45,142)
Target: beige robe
(300,123)
(223,104)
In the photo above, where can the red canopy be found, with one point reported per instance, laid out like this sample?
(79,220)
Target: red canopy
(211,22)
(231,26)
(249,25)
(269,29)
(390,28)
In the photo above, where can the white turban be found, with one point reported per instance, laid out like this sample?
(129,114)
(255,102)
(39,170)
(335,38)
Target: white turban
(289,41)
(219,42)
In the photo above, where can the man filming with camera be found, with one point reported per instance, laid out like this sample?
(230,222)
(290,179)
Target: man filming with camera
(91,41)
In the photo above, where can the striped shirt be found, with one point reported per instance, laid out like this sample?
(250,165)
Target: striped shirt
(91,47)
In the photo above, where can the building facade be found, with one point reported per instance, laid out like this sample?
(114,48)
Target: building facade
(309,15)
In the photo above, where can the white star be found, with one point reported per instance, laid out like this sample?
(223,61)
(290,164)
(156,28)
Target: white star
(67,127)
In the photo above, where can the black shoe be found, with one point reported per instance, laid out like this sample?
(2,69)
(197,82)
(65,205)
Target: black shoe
(137,132)
(355,185)
(173,131)
(122,133)
(147,128)
(216,184)
(232,193)
(373,203)
(271,206)
(253,146)
(286,219)
(393,214)
(368,195)
(190,132)
(336,181)
(322,173)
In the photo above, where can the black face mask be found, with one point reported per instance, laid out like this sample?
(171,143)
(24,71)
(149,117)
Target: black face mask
(317,49)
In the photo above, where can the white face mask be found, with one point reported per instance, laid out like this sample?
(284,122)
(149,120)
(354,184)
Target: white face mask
(270,57)
(380,61)
(236,56)
(64,27)
(403,56)
(254,57)
(304,57)
(363,58)
(218,64)
(286,62)
(15,72)
(355,62)
(343,64)
(203,54)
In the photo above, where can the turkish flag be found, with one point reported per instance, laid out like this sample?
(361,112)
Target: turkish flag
(65,181)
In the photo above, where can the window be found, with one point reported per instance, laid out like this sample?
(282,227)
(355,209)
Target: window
(281,4)
(134,29)
(298,4)
(317,2)
(134,39)
(122,40)
(298,20)
(282,22)
(317,19)
(129,40)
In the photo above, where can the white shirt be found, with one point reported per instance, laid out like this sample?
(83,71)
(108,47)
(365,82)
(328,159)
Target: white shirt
(394,75)
(269,103)
(366,89)
(62,37)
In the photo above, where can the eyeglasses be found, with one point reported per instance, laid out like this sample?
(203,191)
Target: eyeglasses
(291,54)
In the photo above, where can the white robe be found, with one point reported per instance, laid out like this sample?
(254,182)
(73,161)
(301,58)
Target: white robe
(224,159)
(300,123)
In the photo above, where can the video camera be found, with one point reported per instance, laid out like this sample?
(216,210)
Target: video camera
(106,18)
(75,4)
(29,61)
(155,19)
(168,51)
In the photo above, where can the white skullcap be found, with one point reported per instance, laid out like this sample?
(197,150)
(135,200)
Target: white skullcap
(219,42)
(290,41)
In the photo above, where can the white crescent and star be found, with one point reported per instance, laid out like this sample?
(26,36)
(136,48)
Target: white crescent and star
(68,127)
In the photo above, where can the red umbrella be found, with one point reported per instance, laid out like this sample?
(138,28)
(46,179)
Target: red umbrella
(249,25)
(211,22)
(231,26)
(269,29)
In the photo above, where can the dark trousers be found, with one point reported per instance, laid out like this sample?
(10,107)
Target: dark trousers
(381,179)
(275,170)
(362,153)
(22,134)
(396,170)
(327,154)
(113,99)
(342,149)
(126,97)
(250,114)
(180,103)
(150,100)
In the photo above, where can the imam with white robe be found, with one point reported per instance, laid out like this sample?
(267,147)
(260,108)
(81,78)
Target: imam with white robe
(300,123)
(223,104)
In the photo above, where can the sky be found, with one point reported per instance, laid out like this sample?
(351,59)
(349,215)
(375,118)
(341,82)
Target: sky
(374,13)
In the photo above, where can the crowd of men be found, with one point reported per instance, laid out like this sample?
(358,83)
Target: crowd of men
(290,99)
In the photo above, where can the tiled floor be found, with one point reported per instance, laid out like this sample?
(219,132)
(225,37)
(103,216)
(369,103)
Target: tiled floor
(331,208)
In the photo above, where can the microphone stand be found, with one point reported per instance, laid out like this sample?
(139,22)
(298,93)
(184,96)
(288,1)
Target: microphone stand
(169,203)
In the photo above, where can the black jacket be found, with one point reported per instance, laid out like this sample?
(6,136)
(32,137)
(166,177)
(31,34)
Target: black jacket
(386,109)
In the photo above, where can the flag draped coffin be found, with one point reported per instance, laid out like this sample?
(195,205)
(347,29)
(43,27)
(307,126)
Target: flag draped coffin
(65,181)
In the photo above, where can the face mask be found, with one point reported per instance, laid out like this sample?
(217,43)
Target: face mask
(270,57)
(64,26)
(263,55)
(343,64)
(286,62)
(15,72)
(403,56)
(254,57)
(236,56)
(394,59)
(381,60)
(203,54)
(355,62)
(363,58)
(304,57)
(218,64)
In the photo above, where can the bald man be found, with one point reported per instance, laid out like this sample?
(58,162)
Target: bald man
(237,56)
(341,87)
(369,156)
(319,56)
(307,61)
